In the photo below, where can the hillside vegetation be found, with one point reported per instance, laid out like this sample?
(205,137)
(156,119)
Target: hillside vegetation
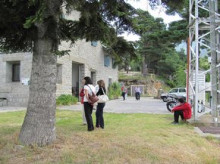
(151,82)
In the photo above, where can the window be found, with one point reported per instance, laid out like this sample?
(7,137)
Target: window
(59,73)
(93,77)
(94,43)
(182,90)
(173,91)
(16,72)
(106,61)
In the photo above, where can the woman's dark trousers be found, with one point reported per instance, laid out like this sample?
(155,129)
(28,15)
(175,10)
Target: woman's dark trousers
(123,95)
(99,115)
(137,95)
(177,114)
(88,113)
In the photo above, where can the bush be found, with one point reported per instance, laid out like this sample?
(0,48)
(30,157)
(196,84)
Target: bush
(114,91)
(66,100)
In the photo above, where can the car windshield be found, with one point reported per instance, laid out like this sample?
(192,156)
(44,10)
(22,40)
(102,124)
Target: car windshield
(173,91)
(182,90)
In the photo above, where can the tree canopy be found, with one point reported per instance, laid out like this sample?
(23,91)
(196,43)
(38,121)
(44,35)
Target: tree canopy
(99,20)
(123,52)
(40,26)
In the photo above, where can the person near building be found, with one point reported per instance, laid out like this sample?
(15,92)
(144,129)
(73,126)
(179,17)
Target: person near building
(137,92)
(124,91)
(183,110)
(97,86)
(100,106)
(81,94)
(88,90)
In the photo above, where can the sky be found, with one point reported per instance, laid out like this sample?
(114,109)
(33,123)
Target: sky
(159,12)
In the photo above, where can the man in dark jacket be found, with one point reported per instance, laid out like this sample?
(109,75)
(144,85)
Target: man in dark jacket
(184,110)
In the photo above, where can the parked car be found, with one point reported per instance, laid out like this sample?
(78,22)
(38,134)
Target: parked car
(175,91)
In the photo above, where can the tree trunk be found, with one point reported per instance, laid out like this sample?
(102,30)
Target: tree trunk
(144,67)
(39,123)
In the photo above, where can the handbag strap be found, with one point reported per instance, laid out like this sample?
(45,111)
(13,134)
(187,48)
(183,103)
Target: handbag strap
(91,89)
(103,91)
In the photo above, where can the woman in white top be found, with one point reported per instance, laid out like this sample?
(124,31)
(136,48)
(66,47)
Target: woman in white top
(100,106)
(88,89)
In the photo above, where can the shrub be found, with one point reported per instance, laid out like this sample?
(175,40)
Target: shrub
(114,91)
(66,100)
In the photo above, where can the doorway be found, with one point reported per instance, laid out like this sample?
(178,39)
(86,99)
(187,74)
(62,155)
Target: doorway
(77,75)
(93,77)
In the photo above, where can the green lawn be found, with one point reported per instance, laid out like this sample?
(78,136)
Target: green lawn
(127,138)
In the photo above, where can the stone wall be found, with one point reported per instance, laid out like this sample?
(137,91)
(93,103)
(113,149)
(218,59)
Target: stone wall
(15,92)
(92,60)
(89,58)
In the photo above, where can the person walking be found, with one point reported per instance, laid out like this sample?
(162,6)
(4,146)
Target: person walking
(81,94)
(124,91)
(100,106)
(137,93)
(88,90)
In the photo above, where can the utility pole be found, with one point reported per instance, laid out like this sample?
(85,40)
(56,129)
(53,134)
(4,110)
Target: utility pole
(195,113)
(218,55)
(214,70)
(204,33)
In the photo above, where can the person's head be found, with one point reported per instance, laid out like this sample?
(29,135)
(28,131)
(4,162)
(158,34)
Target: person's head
(181,100)
(98,82)
(88,80)
(83,81)
(101,83)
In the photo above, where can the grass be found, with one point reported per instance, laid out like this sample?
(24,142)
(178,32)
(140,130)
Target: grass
(127,138)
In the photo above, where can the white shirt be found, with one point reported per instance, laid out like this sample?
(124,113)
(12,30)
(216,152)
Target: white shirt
(87,87)
(96,88)
(137,89)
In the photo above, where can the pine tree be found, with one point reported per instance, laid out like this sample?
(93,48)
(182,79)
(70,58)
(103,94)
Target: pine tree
(39,26)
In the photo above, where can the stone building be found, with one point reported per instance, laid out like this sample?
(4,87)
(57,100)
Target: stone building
(84,59)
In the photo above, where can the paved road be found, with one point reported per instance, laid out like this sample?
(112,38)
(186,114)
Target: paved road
(11,109)
(144,105)
(130,105)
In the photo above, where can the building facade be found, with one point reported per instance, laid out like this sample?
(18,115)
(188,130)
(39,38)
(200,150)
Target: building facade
(84,59)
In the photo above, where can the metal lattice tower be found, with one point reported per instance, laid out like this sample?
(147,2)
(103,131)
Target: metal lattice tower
(203,33)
